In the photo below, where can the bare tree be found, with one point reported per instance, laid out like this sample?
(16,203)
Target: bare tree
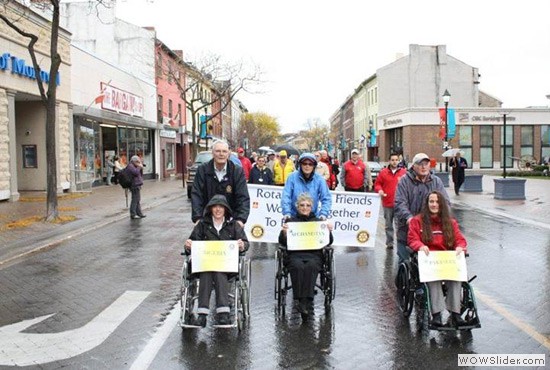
(48,98)
(213,83)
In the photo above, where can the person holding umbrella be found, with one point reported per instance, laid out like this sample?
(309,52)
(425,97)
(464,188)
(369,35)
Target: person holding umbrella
(458,165)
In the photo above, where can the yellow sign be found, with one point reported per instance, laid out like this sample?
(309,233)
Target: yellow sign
(216,255)
(307,235)
(442,265)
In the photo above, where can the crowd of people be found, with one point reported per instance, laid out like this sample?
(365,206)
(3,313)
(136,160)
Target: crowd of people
(413,200)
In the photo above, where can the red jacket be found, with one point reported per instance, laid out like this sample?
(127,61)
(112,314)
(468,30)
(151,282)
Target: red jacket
(247,166)
(355,174)
(438,243)
(387,181)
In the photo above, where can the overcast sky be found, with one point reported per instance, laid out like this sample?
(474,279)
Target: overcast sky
(316,52)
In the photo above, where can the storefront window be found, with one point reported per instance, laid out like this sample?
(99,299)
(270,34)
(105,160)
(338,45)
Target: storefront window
(170,163)
(527,140)
(486,146)
(465,143)
(136,141)
(509,146)
(545,143)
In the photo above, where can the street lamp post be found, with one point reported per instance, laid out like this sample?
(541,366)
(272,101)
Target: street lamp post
(206,127)
(504,151)
(446,98)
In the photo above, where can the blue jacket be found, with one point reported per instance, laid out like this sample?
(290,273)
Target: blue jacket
(317,188)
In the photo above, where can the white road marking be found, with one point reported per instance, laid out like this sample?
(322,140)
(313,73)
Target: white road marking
(23,349)
(150,351)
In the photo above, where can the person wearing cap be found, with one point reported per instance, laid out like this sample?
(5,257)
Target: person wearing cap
(282,168)
(305,180)
(245,162)
(385,186)
(217,224)
(355,175)
(412,191)
(135,169)
(220,176)
(270,160)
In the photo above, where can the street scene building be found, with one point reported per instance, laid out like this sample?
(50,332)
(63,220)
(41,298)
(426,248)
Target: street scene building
(397,109)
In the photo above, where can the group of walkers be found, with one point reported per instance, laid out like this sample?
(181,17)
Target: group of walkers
(414,200)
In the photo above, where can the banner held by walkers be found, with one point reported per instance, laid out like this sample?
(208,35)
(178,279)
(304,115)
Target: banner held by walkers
(353,215)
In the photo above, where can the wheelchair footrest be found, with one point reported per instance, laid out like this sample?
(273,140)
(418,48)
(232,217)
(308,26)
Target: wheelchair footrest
(228,326)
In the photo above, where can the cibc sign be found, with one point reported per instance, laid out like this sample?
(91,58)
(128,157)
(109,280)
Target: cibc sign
(121,101)
(19,67)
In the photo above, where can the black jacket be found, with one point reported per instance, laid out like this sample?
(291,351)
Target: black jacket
(264,174)
(233,186)
(230,230)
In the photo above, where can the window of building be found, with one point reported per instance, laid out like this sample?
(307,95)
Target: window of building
(509,146)
(375,95)
(170,163)
(465,143)
(527,140)
(179,115)
(486,147)
(30,159)
(545,143)
(170,108)
(159,108)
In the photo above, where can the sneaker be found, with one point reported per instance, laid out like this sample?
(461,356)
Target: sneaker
(224,319)
(134,217)
(303,306)
(458,320)
(436,319)
(142,216)
(199,320)
(389,246)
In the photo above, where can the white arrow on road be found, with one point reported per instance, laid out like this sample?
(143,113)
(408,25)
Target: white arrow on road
(23,349)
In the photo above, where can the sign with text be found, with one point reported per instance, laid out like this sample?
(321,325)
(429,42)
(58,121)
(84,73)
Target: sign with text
(442,265)
(215,255)
(307,235)
(353,215)
(121,101)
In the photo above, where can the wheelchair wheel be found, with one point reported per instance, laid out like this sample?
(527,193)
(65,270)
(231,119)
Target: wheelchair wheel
(281,283)
(245,287)
(468,307)
(328,278)
(405,296)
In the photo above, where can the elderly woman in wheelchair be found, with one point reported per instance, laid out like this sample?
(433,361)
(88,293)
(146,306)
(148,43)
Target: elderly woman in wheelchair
(303,265)
(433,229)
(216,224)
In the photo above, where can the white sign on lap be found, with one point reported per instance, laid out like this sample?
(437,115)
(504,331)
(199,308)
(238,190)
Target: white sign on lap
(442,265)
(215,255)
(353,215)
(307,235)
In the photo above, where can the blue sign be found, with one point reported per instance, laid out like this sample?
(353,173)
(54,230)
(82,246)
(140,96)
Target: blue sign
(19,67)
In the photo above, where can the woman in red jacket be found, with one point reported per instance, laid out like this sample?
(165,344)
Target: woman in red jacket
(433,229)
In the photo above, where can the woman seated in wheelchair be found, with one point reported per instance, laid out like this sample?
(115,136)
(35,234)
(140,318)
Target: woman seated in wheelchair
(217,224)
(433,229)
(304,265)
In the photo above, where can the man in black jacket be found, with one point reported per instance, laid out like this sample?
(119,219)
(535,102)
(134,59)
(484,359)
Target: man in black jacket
(220,176)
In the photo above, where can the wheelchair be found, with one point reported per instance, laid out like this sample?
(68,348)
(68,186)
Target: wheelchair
(239,295)
(412,293)
(326,281)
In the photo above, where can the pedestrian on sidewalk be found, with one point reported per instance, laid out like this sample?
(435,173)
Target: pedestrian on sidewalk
(117,169)
(110,166)
(435,230)
(412,191)
(135,168)
(458,165)
(217,224)
(385,186)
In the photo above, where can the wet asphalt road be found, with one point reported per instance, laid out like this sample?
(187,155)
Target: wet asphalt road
(364,328)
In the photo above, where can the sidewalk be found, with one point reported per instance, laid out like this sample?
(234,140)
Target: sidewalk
(106,204)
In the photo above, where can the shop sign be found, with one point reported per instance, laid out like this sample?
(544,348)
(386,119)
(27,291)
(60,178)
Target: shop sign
(121,101)
(170,134)
(19,67)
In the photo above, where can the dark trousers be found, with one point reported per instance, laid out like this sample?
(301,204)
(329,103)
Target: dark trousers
(221,286)
(360,190)
(135,205)
(304,268)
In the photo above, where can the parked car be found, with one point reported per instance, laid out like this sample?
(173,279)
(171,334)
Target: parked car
(375,169)
(203,157)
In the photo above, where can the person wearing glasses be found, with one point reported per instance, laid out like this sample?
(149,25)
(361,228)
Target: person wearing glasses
(412,190)
(260,174)
(305,180)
